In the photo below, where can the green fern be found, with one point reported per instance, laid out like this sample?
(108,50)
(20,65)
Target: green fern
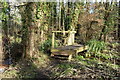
(96,46)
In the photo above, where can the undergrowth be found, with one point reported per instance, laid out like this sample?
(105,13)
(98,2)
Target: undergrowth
(103,65)
(95,47)
(47,45)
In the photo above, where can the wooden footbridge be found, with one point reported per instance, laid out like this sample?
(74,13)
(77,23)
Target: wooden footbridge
(71,49)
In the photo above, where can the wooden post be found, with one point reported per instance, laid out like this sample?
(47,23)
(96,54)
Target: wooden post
(53,39)
(70,57)
(71,38)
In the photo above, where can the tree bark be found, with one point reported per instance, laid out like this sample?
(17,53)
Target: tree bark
(28,37)
(1,46)
(103,32)
(119,23)
(4,39)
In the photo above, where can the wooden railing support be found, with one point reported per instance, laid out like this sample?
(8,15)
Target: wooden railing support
(53,40)
(70,40)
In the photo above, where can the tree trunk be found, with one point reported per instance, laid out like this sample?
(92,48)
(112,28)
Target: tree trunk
(119,23)
(28,39)
(4,39)
(1,47)
(103,32)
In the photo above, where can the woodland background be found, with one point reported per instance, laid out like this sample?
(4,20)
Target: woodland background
(26,33)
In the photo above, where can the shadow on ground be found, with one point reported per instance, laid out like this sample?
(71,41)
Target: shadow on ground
(45,67)
(27,69)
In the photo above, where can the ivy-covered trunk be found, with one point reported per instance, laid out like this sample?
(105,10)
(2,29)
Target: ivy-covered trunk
(4,40)
(1,50)
(1,47)
(29,26)
(106,16)
(119,23)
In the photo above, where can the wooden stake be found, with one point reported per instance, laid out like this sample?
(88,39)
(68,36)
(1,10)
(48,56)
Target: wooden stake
(53,39)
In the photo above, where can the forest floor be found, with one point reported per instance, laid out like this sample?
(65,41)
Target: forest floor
(49,68)
(80,67)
